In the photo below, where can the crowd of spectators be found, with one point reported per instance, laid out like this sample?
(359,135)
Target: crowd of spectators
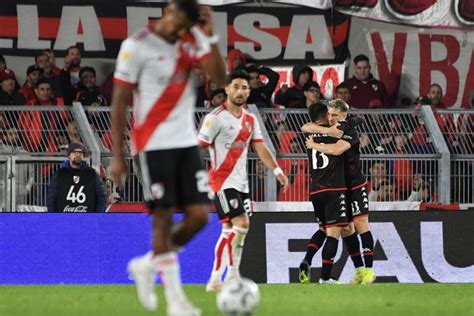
(400,135)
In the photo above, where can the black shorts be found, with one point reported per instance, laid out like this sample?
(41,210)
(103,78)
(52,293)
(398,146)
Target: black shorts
(173,177)
(358,199)
(231,203)
(330,208)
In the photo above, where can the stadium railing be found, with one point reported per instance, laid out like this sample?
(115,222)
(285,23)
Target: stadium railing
(421,151)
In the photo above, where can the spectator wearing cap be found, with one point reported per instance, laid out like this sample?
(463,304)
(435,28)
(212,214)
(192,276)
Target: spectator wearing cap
(33,74)
(70,80)
(89,92)
(43,61)
(218,97)
(76,187)
(9,95)
(260,92)
(294,96)
(235,60)
(312,94)
(366,91)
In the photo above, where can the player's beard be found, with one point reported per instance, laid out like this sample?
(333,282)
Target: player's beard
(238,100)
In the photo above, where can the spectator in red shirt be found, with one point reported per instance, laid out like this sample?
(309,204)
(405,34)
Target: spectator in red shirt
(366,91)
(33,73)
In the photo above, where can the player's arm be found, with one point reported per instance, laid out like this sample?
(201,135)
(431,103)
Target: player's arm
(335,149)
(269,161)
(311,128)
(208,131)
(213,65)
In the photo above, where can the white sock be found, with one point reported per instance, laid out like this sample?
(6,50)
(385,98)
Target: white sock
(236,246)
(221,256)
(167,266)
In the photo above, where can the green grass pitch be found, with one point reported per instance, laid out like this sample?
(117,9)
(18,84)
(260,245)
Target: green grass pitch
(291,299)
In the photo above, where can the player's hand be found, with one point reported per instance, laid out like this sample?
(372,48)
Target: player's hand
(118,170)
(283,181)
(333,131)
(310,142)
(205,20)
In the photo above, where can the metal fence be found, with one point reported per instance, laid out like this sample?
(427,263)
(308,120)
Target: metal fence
(404,152)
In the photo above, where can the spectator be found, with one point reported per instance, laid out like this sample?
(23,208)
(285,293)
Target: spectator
(73,132)
(343,93)
(421,191)
(39,128)
(402,168)
(294,96)
(43,61)
(55,69)
(378,173)
(89,93)
(218,97)
(366,91)
(33,73)
(9,95)
(261,93)
(312,94)
(44,95)
(295,169)
(76,187)
(235,60)
(3,63)
(435,96)
(70,80)
(201,81)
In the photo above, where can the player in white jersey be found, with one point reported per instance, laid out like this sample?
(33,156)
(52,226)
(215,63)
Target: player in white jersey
(156,67)
(227,132)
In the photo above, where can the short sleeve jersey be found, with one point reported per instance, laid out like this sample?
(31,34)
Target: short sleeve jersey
(165,93)
(228,138)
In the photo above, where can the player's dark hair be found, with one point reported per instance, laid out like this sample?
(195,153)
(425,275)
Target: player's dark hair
(361,57)
(238,74)
(190,8)
(318,111)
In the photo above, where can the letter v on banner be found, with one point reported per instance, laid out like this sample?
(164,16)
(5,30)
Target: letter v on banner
(432,254)
(391,77)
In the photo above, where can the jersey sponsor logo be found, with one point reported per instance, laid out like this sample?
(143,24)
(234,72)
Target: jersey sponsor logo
(75,209)
(236,145)
(125,56)
(76,179)
(157,190)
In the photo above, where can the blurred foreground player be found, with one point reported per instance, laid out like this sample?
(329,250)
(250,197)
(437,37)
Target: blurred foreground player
(155,65)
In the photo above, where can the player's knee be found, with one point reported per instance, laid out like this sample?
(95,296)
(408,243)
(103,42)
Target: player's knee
(347,230)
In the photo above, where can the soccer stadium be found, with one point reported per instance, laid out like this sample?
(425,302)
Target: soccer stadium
(236,157)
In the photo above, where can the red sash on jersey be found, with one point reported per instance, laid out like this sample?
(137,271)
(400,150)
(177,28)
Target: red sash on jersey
(218,177)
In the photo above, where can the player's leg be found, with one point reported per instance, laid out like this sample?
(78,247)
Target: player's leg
(329,252)
(336,217)
(158,187)
(351,240)
(362,225)
(237,205)
(361,222)
(221,259)
(315,243)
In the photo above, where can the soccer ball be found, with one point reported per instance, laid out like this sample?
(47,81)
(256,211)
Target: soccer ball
(238,297)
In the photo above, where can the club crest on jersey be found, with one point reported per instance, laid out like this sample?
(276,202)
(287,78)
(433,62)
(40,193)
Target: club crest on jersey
(76,179)
(234,203)
(157,190)
(248,126)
